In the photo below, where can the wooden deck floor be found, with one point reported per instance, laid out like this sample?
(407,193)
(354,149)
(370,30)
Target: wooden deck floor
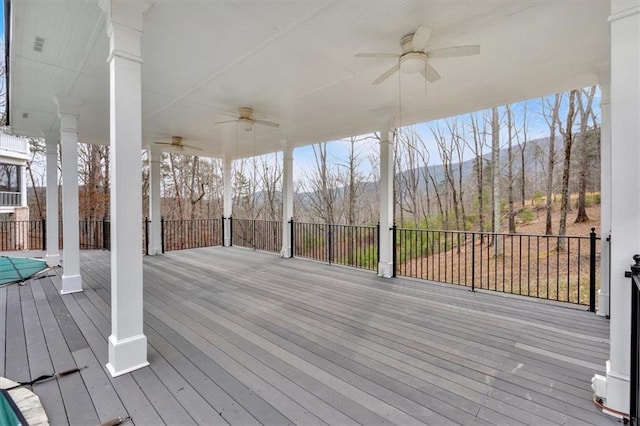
(239,337)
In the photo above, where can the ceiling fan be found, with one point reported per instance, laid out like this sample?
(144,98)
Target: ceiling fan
(177,143)
(414,57)
(245,117)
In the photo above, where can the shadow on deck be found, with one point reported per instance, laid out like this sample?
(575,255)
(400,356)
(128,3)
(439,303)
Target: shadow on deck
(240,337)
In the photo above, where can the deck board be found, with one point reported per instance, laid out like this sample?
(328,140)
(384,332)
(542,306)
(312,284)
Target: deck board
(243,337)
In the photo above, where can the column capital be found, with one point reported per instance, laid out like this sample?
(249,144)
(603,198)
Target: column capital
(125,13)
(385,123)
(51,138)
(124,21)
(287,149)
(68,106)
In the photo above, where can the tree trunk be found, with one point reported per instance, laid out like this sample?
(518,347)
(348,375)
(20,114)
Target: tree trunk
(585,112)
(495,181)
(511,211)
(552,161)
(568,142)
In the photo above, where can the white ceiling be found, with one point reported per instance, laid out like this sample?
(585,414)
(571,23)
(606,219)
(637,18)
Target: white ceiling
(293,62)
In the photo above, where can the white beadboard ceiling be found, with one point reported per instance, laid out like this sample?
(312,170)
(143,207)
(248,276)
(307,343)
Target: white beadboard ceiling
(293,63)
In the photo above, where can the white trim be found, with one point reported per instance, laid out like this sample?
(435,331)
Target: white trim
(624,14)
(71,284)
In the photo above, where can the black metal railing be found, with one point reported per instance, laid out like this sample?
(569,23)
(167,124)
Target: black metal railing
(92,235)
(21,235)
(634,391)
(190,233)
(546,267)
(265,235)
(355,246)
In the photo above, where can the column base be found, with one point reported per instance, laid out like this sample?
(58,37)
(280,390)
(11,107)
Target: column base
(613,390)
(285,252)
(603,304)
(71,284)
(154,251)
(127,355)
(227,242)
(385,269)
(52,260)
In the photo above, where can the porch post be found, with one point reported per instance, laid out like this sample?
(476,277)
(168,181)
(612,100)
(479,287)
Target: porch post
(127,343)
(385,266)
(227,201)
(23,186)
(155,243)
(68,110)
(53,251)
(605,197)
(287,197)
(625,202)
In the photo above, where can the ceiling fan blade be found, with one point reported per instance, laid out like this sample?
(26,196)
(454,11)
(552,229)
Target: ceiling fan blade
(391,71)
(420,38)
(195,148)
(225,122)
(452,52)
(430,73)
(266,123)
(376,55)
(162,143)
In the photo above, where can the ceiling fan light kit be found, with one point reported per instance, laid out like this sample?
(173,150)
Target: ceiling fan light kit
(412,63)
(414,55)
(245,117)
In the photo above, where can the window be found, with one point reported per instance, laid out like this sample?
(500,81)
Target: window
(10,178)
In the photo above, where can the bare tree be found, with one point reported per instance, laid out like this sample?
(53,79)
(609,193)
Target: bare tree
(552,118)
(583,139)
(195,198)
(479,133)
(408,173)
(36,149)
(445,149)
(522,146)
(322,185)
(271,182)
(173,167)
(568,138)
(495,181)
(511,215)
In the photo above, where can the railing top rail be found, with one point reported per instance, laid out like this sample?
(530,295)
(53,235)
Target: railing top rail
(190,220)
(257,220)
(336,224)
(450,231)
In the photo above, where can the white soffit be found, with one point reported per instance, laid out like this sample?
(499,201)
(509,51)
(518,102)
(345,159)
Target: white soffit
(293,63)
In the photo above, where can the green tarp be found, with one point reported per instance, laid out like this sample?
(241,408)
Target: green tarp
(16,269)
(10,415)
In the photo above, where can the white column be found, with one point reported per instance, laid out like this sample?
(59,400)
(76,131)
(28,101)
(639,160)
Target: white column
(23,186)
(625,191)
(605,198)
(68,110)
(227,201)
(385,266)
(287,197)
(127,343)
(155,242)
(53,251)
